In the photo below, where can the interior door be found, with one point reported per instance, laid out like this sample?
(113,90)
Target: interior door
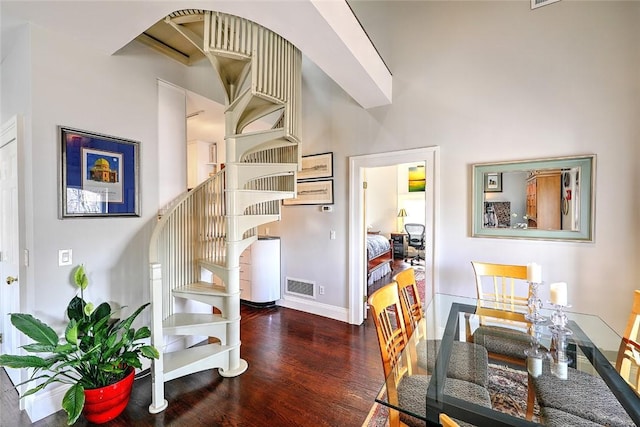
(9,237)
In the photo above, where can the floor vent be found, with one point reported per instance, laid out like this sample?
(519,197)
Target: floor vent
(538,3)
(301,287)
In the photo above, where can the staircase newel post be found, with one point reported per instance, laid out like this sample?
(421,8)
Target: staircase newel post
(232,310)
(158,402)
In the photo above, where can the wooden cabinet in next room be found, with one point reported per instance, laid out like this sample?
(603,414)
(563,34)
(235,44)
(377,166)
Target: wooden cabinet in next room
(544,196)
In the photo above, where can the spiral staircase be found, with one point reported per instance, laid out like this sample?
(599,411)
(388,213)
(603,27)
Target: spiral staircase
(196,245)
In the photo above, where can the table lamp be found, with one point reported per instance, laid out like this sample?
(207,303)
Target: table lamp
(401,215)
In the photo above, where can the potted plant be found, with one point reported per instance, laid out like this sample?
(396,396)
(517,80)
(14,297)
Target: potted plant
(96,351)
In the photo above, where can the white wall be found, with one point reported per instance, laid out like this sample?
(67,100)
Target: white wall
(172,140)
(492,81)
(381,199)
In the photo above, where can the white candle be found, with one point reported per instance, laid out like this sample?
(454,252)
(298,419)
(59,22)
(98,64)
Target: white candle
(534,366)
(534,273)
(562,370)
(558,293)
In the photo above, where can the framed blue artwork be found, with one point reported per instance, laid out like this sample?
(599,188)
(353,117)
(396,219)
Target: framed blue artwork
(98,175)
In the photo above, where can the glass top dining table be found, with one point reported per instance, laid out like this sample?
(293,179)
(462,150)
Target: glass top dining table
(591,346)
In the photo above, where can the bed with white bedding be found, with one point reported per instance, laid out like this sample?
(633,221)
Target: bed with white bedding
(379,257)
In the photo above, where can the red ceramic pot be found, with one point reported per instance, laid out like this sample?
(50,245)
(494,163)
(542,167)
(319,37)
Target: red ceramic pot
(105,403)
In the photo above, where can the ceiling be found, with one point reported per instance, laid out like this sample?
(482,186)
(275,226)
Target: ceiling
(327,32)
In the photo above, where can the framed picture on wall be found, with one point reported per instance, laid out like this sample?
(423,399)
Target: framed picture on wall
(316,166)
(98,175)
(312,193)
(417,178)
(492,182)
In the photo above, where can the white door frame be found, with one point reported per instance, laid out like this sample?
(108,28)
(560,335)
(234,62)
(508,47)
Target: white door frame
(357,252)
(12,262)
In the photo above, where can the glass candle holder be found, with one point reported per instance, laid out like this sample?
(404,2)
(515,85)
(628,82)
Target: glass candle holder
(534,305)
(561,360)
(535,354)
(560,320)
(534,361)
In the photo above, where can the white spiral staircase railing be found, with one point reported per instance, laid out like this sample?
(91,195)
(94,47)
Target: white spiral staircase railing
(195,248)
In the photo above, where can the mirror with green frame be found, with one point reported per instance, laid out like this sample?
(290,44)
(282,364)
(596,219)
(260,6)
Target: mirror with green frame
(549,199)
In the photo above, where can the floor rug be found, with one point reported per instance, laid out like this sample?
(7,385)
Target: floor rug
(420,276)
(507,388)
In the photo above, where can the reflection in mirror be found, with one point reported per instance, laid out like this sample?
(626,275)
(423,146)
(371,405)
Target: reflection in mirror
(547,198)
(544,199)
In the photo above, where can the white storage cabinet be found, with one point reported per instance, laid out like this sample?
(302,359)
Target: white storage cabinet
(260,272)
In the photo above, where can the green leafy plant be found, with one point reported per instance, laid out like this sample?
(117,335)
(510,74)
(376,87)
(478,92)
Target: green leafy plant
(96,350)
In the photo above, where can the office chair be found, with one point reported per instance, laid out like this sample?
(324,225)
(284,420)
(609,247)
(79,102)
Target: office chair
(416,240)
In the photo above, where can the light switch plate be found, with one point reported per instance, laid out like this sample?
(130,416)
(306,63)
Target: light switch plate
(64,257)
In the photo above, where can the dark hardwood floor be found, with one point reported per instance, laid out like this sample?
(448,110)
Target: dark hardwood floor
(304,370)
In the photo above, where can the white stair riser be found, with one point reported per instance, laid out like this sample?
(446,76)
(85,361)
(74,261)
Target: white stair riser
(179,364)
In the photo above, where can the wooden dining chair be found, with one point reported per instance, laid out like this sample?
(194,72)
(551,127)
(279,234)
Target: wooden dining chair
(501,286)
(629,353)
(392,339)
(407,385)
(502,292)
(447,421)
(468,360)
(410,301)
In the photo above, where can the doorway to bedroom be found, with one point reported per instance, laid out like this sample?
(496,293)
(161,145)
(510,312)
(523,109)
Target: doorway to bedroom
(394,195)
(378,208)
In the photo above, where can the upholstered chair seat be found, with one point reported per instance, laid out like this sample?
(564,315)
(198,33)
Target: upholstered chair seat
(503,341)
(582,395)
(552,417)
(412,393)
(468,361)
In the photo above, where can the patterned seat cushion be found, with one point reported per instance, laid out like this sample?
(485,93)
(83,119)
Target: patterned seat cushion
(505,341)
(412,393)
(582,395)
(556,418)
(468,362)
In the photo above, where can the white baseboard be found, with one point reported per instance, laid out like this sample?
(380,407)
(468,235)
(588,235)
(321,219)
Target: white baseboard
(314,307)
(45,403)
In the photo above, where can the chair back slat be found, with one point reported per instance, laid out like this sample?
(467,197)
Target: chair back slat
(627,362)
(387,318)
(501,286)
(412,310)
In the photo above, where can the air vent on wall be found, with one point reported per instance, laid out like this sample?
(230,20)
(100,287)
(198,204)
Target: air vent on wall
(538,3)
(301,287)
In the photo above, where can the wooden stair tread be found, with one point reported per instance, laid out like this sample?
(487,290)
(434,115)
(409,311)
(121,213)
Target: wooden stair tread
(186,319)
(244,190)
(203,288)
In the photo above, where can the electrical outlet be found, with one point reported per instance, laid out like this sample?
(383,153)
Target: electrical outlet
(332,235)
(321,290)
